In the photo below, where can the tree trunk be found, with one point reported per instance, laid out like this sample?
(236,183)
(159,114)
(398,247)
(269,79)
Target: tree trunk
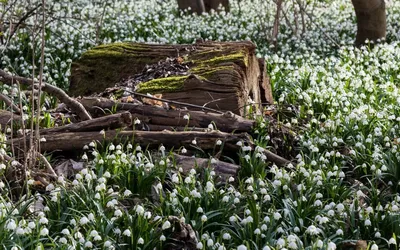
(224,76)
(371,20)
(200,6)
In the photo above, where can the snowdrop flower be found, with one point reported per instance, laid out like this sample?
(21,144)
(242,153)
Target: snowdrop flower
(277,216)
(242,247)
(331,246)
(88,244)
(107,244)
(84,157)
(166,225)
(127,233)
(139,210)
(84,220)
(127,193)
(63,240)
(186,117)
(374,247)
(226,236)
(313,230)
(44,232)
(43,220)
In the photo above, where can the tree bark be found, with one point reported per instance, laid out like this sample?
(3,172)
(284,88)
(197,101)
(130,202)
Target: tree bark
(73,141)
(154,115)
(200,6)
(224,76)
(371,20)
(120,120)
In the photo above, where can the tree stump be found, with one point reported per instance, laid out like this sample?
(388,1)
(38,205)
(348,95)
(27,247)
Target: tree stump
(226,76)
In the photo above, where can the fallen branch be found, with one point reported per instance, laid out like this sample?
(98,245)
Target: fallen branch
(120,120)
(153,115)
(50,89)
(9,103)
(222,169)
(177,103)
(278,160)
(73,141)
(48,166)
(5,119)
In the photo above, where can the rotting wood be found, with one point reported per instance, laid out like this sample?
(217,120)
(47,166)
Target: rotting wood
(222,169)
(225,76)
(227,122)
(109,122)
(5,119)
(9,103)
(77,140)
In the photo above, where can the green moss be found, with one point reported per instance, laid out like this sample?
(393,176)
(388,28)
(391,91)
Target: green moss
(165,85)
(227,58)
(206,71)
(116,50)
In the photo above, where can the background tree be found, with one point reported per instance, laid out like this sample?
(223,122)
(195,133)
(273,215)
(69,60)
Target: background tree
(200,6)
(371,20)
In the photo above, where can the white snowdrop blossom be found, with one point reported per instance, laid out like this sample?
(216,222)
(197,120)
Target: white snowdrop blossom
(166,225)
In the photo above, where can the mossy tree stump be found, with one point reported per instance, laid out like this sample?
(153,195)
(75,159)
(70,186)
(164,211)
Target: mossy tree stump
(225,76)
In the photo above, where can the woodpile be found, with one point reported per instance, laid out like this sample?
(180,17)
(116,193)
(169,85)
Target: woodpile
(193,96)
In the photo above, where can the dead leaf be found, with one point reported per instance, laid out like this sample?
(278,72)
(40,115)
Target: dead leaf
(153,102)
(127,99)
(180,60)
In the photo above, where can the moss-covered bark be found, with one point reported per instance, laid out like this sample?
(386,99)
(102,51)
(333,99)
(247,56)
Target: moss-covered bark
(230,70)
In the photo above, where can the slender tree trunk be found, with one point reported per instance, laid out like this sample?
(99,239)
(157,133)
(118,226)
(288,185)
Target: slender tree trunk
(371,20)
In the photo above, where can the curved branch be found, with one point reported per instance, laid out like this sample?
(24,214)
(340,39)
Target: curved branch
(50,89)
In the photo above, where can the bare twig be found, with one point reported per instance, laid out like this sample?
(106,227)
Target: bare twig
(175,102)
(311,19)
(52,90)
(21,20)
(288,21)
(9,103)
(48,166)
(37,132)
(100,24)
